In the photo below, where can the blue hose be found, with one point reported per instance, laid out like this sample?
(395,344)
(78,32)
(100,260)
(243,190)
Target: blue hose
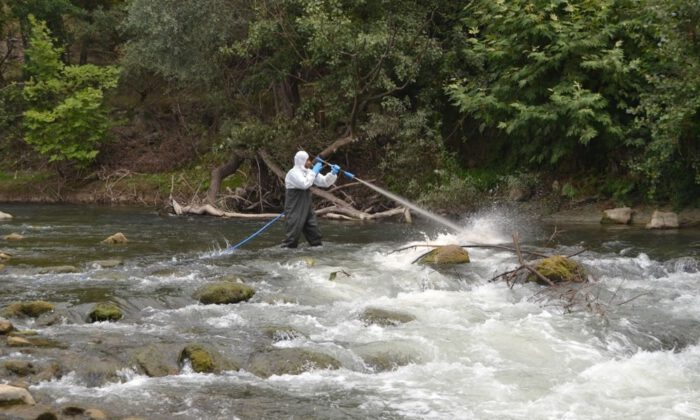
(258,232)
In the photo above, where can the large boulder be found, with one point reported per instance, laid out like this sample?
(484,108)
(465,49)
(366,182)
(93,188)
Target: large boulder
(105,311)
(224,292)
(622,216)
(446,255)
(384,317)
(289,361)
(663,220)
(558,269)
(5,216)
(28,309)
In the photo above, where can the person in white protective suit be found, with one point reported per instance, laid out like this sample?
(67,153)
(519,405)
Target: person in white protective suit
(298,209)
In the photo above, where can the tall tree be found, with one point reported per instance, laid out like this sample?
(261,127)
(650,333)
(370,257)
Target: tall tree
(66,118)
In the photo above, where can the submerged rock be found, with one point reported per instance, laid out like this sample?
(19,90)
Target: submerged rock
(58,269)
(117,238)
(31,340)
(11,395)
(558,269)
(622,216)
(28,309)
(384,317)
(14,237)
(224,292)
(19,367)
(156,361)
(5,326)
(105,311)
(388,355)
(283,333)
(445,255)
(107,263)
(291,361)
(663,220)
(4,256)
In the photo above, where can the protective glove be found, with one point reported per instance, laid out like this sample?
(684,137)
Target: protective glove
(317,160)
(335,169)
(317,167)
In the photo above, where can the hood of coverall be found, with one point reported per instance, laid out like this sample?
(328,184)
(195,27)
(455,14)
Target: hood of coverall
(300,159)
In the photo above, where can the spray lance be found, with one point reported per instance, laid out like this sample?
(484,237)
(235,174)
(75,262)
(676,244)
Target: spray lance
(317,160)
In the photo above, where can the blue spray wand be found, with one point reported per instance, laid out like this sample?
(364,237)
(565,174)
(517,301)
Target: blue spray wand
(346,173)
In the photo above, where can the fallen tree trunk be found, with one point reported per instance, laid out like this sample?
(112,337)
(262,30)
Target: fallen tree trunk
(208,209)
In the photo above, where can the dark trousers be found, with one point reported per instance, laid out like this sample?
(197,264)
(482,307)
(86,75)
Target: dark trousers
(300,218)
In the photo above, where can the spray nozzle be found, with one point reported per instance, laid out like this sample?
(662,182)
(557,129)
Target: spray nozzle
(347,174)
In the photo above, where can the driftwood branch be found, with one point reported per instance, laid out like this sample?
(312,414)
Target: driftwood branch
(208,209)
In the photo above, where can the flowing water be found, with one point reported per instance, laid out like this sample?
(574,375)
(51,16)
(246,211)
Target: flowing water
(425,213)
(476,349)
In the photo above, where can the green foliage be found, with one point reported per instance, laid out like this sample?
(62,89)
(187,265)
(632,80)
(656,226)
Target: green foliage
(552,77)
(66,118)
(669,162)
(453,193)
(182,39)
(51,12)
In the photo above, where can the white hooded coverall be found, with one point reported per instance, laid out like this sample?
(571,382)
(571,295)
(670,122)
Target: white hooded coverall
(299,213)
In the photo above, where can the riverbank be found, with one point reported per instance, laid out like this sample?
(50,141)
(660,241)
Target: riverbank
(125,188)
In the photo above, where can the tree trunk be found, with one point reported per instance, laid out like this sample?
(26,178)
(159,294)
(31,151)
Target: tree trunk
(221,172)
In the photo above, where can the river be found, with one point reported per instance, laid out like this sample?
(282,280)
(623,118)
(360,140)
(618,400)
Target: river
(475,350)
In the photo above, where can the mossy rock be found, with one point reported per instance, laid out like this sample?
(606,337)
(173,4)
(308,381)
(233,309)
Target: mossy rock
(446,255)
(30,309)
(558,269)
(224,292)
(385,318)
(200,358)
(117,238)
(291,361)
(105,311)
